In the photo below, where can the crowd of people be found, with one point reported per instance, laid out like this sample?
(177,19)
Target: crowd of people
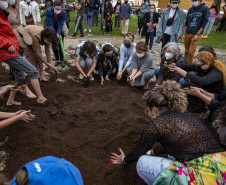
(183,84)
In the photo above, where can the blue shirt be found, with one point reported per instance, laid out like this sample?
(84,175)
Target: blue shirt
(126,56)
(145,9)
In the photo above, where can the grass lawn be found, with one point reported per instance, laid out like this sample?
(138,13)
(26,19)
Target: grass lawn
(216,40)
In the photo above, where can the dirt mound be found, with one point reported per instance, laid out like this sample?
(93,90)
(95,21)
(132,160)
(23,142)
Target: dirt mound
(82,125)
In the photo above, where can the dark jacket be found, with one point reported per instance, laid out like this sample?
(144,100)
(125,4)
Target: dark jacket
(94,3)
(125,11)
(88,7)
(197,18)
(210,79)
(108,8)
(112,63)
(166,75)
(146,20)
(50,19)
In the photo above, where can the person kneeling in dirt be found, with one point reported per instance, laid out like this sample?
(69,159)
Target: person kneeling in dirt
(9,52)
(126,50)
(187,141)
(142,68)
(48,170)
(15,116)
(85,59)
(107,62)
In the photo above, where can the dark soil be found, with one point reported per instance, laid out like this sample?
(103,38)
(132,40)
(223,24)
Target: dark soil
(82,125)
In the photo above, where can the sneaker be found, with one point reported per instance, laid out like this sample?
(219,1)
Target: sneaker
(85,29)
(104,33)
(91,78)
(81,76)
(90,30)
(82,36)
(205,37)
(109,33)
(73,36)
(90,35)
(57,62)
(62,64)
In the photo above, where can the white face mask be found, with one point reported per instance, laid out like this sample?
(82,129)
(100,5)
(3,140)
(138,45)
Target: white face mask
(57,11)
(195,3)
(140,55)
(11,2)
(3,5)
(174,5)
(168,56)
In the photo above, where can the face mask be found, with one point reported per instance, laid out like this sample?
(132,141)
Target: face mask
(168,56)
(146,4)
(109,56)
(11,2)
(46,41)
(195,3)
(174,5)
(140,55)
(126,2)
(127,44)
(152,10)
(57,11)
(3,5)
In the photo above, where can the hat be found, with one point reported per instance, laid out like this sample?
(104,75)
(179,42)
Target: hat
(51,170)
(175,1)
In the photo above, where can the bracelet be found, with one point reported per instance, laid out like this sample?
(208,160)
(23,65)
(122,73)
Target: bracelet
(123,161)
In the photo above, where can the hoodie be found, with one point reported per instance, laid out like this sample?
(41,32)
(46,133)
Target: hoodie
(197,18)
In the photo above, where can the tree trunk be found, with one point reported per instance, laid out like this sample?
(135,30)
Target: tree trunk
(218,3)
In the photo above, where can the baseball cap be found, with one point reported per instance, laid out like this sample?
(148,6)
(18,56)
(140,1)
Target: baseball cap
(51,170)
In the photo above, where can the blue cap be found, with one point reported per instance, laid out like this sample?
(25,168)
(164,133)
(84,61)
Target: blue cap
(51,170)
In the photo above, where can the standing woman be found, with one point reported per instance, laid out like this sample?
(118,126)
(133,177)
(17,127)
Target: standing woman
(214,13)
(33,54)
(117,17)
(150,21)
(142,68)
(55,18)
(88,15)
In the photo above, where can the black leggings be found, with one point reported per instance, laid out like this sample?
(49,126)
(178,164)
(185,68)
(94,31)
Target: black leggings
(57,50)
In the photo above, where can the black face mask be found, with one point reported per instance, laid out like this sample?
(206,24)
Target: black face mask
(126,2)
(199,68)
(109,56)
(127,44)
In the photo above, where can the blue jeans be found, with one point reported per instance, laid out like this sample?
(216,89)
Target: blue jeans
(148,167)
(151,37)
(210,24)
(88,20)
(95,17)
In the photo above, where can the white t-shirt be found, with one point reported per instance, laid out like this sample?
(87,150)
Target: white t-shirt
(169,28)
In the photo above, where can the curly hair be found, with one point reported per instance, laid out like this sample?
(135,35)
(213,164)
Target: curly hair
(169,94)
(221,117)
(50,34)
(142,46)
(207,57)
(89,48)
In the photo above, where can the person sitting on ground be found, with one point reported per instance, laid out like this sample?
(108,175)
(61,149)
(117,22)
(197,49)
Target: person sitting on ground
(142,68)
(13,91)
(214,101)
(9,52)
(220,124)
(209,75)
(171,54)
(126,51)
(185,139)
(107,62)
(16,116)
(48,170)
(85,59)
(33,53)
(209,49)
(108,24)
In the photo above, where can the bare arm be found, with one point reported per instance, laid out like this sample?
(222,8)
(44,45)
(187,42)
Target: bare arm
(6,115)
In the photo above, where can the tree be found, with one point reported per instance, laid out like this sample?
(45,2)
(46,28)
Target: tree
(218,3)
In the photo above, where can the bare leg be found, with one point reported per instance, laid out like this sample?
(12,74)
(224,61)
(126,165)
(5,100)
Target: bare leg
(26,91)
(11,98)
(36,86)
